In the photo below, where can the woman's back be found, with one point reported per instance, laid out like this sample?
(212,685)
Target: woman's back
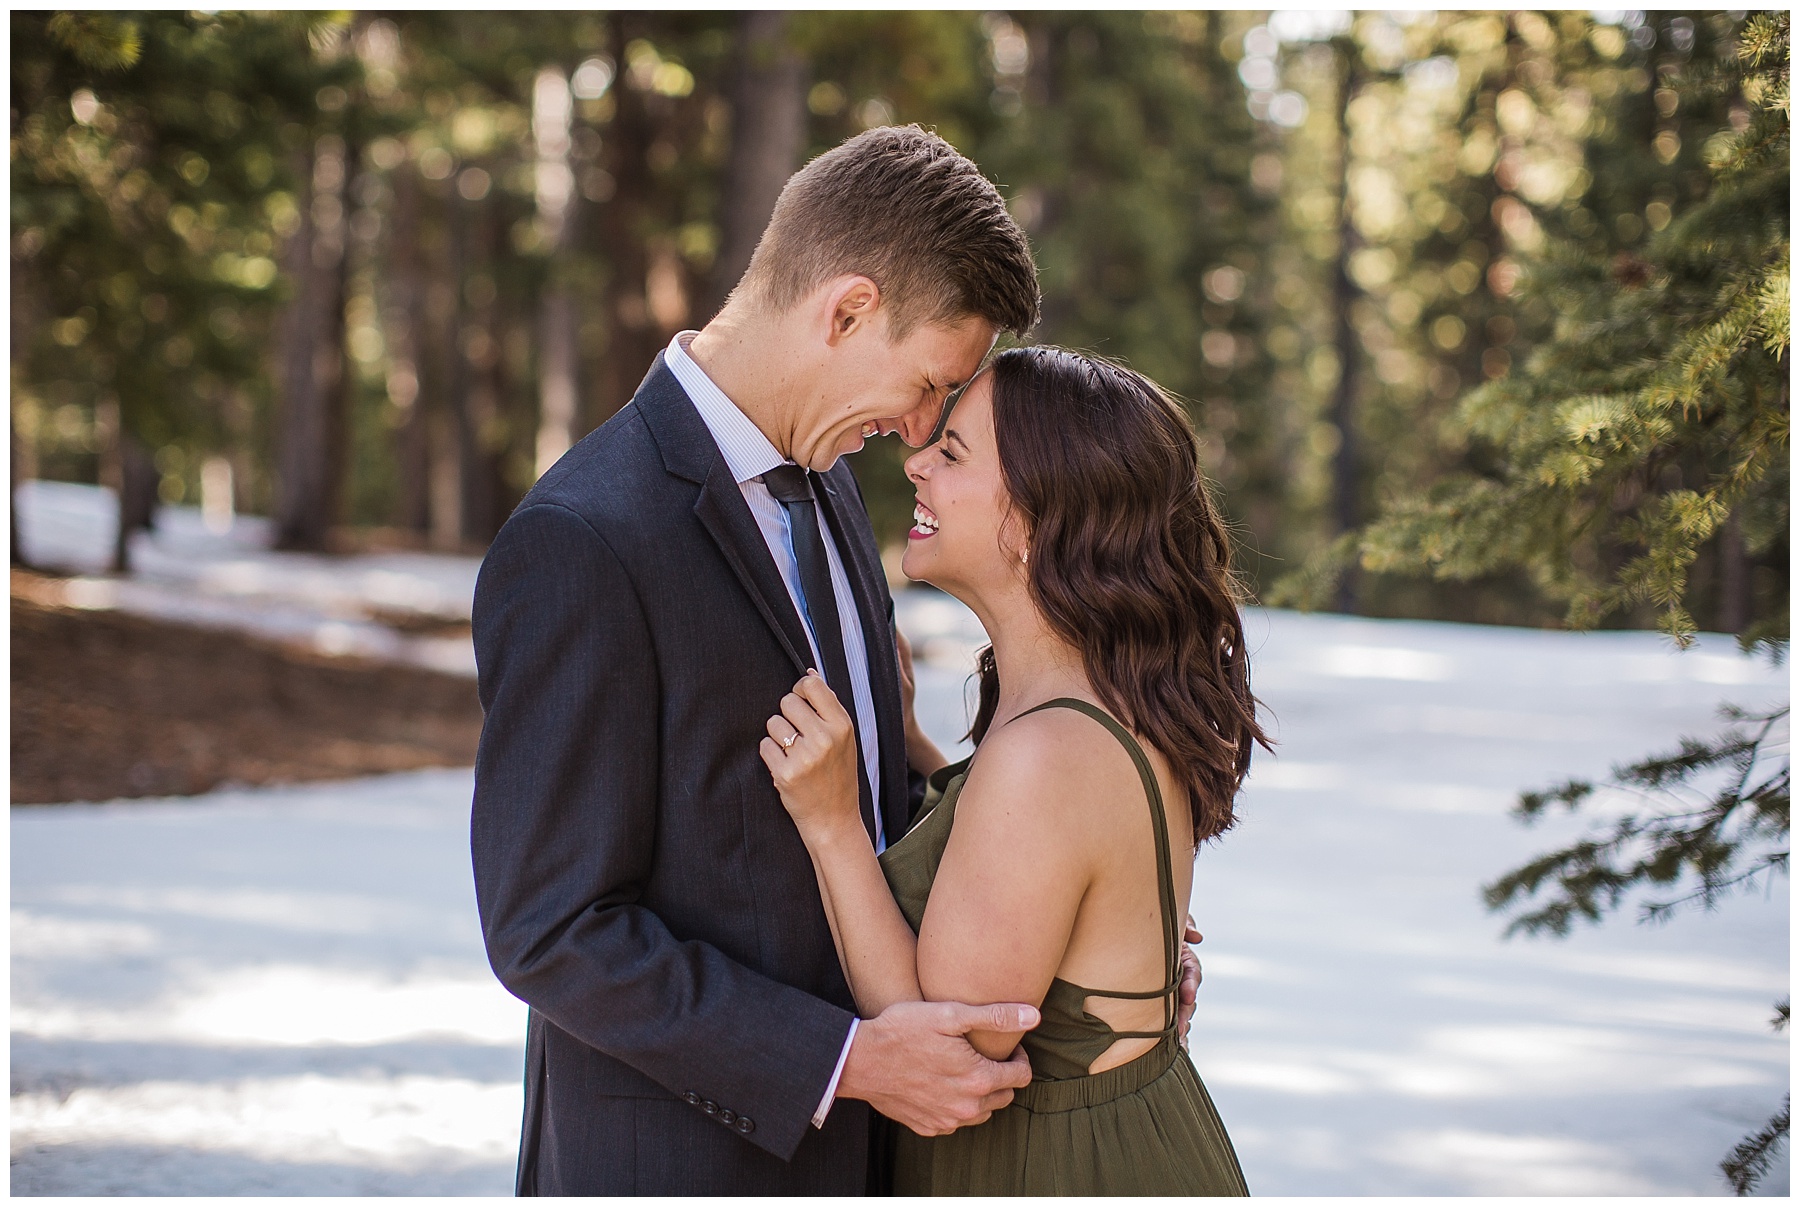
(1117,1101)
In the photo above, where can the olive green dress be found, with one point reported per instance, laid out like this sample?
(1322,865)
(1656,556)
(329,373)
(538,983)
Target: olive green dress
(1145,1127)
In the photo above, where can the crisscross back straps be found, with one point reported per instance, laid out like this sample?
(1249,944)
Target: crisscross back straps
(1165,876)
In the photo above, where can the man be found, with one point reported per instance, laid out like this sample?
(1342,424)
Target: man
(637,620)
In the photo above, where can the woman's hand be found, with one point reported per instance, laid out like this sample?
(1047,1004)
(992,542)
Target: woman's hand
(811,753)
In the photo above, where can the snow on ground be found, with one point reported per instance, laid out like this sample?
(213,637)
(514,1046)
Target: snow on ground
(1363,1028)
(283,990)
(185,571)
(278,991)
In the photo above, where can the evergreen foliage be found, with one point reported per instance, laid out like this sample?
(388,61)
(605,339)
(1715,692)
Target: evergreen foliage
(1657,413)
(150,186)
(1701,846)
(1749,1162)
(1705,846)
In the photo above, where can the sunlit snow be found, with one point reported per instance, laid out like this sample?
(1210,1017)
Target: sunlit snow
(283,991)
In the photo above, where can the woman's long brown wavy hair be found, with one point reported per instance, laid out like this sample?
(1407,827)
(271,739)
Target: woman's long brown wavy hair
(1130,562)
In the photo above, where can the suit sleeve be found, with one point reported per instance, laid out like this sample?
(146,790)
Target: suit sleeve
(562,832)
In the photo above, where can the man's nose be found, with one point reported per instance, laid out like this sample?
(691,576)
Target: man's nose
(917,424)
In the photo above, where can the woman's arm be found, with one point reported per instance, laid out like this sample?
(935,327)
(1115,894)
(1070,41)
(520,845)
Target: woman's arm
(1013,876)
(811,753)
(1019,861)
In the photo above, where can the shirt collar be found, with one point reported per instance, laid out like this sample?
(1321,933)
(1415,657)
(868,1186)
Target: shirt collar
(748,453)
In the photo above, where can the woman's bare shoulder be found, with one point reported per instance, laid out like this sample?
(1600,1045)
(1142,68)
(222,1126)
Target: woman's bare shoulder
(1045,764)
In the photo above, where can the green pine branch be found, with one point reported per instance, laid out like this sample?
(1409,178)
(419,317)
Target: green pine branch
(1656,414)
(1749,1162)
(1702,846)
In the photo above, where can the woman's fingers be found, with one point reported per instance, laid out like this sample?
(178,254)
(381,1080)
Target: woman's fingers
(801,716)
(824,702)
(783,731)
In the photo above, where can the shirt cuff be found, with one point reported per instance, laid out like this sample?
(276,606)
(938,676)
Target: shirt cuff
(818,1119)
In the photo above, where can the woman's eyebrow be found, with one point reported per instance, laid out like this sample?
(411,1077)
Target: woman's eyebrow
(950,434)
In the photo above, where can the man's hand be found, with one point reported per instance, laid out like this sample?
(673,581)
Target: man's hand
(913,1063)
(922,754)
(1190,982)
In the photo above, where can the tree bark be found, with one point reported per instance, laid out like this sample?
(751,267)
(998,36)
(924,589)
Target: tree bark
(128,471)
(18,546)
(552,111)
(768,134)
(137,498)
(443,418)
(406,335)
(1346,465)
(478,374)
(314,380)
(632,340)
(1734,578)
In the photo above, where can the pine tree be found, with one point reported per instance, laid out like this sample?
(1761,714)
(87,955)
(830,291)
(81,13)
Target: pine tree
(1654,424)
(1699,846)
(152,186)
(1650,430)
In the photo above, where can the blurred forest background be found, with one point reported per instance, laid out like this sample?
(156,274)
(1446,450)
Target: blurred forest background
(1480,315)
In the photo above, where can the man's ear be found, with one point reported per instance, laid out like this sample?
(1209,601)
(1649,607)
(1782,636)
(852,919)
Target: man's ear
(854,302)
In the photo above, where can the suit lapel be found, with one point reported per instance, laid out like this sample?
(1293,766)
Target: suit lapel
(726,517)
(690,452)
(844,512)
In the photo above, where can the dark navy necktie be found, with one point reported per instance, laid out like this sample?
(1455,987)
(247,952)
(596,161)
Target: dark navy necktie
(793,488)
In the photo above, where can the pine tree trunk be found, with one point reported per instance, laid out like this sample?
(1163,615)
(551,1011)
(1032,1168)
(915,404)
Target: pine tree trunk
(478,376)
(557,392)
(127,470)
(309,453)
(768,133)
(1734,577)
(1345,466)
(556,199)
(17,477)
(632,342)
(137,499)
(443,414)
(406,336)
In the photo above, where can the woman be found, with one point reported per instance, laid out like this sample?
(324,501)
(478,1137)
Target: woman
(1064,506)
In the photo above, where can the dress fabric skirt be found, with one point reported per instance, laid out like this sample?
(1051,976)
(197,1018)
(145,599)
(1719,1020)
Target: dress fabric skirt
(1146,1127)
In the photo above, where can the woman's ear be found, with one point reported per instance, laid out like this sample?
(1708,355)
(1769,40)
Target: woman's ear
(1014,538)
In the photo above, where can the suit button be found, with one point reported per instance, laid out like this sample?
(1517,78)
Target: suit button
(745,1125)
(691,1098)
(709,1106)
(727,1116)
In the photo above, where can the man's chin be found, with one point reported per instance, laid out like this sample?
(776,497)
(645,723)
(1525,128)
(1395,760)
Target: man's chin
(853,445)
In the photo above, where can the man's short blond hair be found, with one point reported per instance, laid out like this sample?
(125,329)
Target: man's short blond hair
(904,208)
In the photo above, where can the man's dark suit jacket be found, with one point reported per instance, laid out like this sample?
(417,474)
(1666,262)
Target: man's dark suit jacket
(640,885)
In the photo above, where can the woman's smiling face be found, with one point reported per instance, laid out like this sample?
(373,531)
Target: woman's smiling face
(964,536)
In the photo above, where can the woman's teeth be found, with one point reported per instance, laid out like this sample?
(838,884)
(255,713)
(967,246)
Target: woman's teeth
(923,520)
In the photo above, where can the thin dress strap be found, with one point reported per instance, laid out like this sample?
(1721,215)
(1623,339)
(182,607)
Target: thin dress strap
(1165,876)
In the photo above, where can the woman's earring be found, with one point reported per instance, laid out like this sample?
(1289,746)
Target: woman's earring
(1024,556)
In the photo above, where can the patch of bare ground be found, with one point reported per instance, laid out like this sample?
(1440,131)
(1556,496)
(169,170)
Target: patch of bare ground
(108,705)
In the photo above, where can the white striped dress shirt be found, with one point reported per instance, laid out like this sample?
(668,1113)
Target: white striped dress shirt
(749,455)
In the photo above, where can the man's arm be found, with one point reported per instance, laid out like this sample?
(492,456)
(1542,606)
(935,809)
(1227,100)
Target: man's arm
(564,817)
(922,754)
